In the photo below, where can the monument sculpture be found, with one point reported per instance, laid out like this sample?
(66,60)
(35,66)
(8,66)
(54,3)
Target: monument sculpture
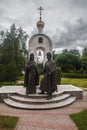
(49,81)
(31,78)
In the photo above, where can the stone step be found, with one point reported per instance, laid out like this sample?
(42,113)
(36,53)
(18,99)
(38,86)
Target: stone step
(39,107)
(37,96)
(29,100)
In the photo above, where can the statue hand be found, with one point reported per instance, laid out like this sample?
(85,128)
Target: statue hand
(49,73)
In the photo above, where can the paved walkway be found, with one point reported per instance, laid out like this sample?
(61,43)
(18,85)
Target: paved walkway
(57,119)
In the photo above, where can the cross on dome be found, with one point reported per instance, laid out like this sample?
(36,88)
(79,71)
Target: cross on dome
(40,8)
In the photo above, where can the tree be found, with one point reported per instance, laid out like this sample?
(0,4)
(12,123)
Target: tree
(83,60)
(68,60)
(22,40)
(12,56)
(75,52)
(61,60)
(84,52)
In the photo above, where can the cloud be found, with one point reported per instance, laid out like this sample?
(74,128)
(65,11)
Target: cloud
(79,3)
(73,36)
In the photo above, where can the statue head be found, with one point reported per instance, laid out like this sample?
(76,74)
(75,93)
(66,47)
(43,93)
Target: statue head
(48,55)
(32,56)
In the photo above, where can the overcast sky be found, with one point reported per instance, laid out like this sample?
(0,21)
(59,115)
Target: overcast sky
(65,20)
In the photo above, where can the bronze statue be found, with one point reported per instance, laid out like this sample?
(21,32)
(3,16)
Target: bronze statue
(31,78)
(49,81)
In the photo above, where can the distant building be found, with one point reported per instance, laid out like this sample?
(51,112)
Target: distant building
(40,43)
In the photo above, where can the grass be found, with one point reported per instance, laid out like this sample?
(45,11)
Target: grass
(8,123)
(75,81)
(80,119)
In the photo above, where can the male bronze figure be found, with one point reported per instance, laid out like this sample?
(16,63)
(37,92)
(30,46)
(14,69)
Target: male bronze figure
(49,81)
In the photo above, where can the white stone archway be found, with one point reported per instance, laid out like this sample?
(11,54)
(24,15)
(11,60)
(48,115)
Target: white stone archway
(45,45)
(40,54)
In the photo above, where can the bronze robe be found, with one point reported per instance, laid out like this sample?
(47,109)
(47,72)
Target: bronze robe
(49,81)
(31,78)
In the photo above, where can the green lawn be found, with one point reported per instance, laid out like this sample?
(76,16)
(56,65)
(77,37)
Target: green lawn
(8,123)
(80,119)
(75,81)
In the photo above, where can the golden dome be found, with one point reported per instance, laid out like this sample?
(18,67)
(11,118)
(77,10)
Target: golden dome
(40,23)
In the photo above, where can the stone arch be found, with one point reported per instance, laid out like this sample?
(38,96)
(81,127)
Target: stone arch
(45,45)
(42,50)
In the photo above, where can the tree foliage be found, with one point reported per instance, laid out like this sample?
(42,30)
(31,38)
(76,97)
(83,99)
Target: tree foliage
(13,53)
(83,60)
(71,61)
(68,60)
